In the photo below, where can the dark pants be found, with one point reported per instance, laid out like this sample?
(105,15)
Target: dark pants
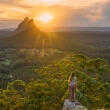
(72,92)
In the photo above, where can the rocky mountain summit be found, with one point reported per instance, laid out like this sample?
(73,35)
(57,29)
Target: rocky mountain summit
(25,24)
(72,105)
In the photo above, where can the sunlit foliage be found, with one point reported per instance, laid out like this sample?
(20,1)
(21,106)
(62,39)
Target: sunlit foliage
(50,91)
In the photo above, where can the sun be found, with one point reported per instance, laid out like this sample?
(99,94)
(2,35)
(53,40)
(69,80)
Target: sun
(46,18)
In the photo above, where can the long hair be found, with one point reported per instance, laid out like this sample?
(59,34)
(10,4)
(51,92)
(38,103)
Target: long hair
(70,77)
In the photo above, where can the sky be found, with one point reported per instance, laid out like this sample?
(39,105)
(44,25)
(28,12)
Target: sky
(65,13)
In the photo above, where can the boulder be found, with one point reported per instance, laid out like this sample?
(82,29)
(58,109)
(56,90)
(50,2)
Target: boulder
(68,105)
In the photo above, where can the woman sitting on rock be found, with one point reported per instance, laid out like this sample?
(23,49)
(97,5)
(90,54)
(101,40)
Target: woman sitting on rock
(72,84)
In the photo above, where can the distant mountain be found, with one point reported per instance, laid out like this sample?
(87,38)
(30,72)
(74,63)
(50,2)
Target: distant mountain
(5,32)
(28,35)
(25,24)
(11,29)
(83,29)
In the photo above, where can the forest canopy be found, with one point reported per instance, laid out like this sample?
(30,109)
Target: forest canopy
(51,89)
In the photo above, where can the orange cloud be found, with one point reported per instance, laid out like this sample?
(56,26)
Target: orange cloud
(65,12)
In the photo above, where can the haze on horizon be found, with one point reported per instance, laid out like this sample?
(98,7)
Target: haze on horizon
(66,13)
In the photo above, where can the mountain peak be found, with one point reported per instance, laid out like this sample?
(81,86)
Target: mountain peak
(26,19)
(26,23)
(31,21)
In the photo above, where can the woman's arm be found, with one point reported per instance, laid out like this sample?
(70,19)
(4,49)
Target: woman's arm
(76,84)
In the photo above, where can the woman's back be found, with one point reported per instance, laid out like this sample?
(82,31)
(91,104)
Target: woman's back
(72,85)
(73,81)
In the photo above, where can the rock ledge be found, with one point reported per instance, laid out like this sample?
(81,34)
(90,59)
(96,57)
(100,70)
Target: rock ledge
(73,105)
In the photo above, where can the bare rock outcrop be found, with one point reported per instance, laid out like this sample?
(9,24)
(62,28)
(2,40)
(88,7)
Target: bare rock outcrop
(25,24)
(73,105)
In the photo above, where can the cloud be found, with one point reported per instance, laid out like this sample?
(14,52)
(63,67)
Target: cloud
(66,13)
(106,11)
(97,14)
(13,9)
(80,2)
(9,13)
(17,3)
